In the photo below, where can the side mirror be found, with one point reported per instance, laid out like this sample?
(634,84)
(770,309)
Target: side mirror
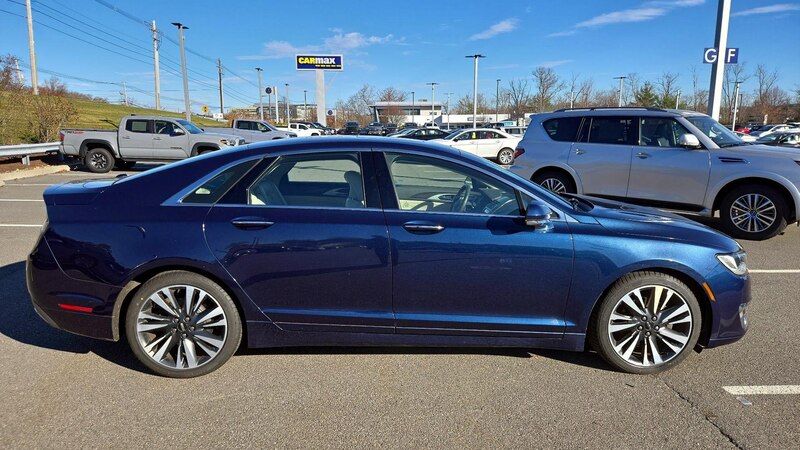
(537,216)
(178,132)
(689,140)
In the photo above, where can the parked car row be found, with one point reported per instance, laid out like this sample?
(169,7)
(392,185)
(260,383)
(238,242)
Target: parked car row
(675,160)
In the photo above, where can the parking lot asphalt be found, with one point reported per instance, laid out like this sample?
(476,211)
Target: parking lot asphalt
(63,390)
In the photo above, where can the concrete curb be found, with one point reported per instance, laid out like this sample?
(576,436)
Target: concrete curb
(39,171)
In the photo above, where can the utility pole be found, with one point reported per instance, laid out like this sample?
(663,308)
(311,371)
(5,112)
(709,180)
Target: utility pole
(718,67)
(20,77)
(277,116)
(621,88)
(475,89)
(221,101)
(288,111)
(448,109)
(186,102)
(124,93)
(433,101)
(497,101)
(735,103)
(305,105)
(34,77)
(678,100)
(155,64)
(260,97)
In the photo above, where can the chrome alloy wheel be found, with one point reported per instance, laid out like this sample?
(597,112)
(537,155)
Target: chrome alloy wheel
(99,160)
(650,325)
(181,327)
(753,213)
(505,157)
(554,185)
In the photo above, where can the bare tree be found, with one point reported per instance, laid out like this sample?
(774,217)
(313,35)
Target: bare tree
(392,113)
(586,90)
(464,105)
(519,95)
(547,87)
(633,82)
(667,90)
(733,73)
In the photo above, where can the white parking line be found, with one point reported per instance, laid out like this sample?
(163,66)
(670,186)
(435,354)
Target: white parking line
(19,200)
(787,389)
(775,271)
(29,184)
(19,225)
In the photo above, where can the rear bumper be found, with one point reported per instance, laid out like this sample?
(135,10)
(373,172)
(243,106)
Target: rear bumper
(52,291)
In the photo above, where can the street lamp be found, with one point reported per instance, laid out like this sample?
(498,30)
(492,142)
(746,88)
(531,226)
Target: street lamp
(260,97)
(187,105)
(448,109)
(497,102)
(433,101)
(305,105)
(475,89)
(621,87)
(288,112)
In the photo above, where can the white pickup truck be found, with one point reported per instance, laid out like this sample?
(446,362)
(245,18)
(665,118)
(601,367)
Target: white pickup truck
(141,138)
(254,130)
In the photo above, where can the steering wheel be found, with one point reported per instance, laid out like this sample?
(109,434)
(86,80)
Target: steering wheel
(460,200)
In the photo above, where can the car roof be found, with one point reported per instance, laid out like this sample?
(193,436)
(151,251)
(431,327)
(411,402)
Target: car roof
(617,111)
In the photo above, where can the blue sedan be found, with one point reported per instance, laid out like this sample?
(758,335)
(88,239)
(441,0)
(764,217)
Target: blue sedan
(375,241)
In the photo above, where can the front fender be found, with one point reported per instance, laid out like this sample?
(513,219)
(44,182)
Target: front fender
(790,187)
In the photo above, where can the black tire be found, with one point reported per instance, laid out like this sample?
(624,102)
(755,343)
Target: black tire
(505,156)
(98,160)
(601,340)
(124,165)
(730,215)
(552,176)
(231,336)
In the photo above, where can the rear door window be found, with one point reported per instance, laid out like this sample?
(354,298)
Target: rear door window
(137,126)
(612,130)
(213,189)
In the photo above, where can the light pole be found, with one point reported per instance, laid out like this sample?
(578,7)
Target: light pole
(448,109)
(433,101)
(187,105)
(735,104)
(678,100)
(288,112)
(32,49)
(260,97)
(497,101)
(475,89)
(621,87)
(305,104)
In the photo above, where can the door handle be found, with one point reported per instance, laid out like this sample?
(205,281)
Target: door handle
(421,227)
(642,155)
(156,138)
(251,223)
(125,137)
(579,151)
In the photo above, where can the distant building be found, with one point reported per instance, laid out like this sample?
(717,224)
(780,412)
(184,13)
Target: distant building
(425,112)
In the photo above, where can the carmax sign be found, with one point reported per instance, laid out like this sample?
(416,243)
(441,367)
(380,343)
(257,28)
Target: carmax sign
(319,62)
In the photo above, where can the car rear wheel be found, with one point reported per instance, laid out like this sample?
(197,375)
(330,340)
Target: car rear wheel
(98,160)
(557,182)
(753,212)
(505,156)
(182,325)
(647,323)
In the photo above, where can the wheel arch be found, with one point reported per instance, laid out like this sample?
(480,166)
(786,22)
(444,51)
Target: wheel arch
(130,289)
(690,280)
(789,192)
(89,144)
(202,146)
(563,169)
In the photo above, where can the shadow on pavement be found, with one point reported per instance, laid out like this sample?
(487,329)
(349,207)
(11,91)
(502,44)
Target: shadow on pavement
(20,322)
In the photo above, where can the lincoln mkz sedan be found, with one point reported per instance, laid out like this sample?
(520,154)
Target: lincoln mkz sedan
(377,242)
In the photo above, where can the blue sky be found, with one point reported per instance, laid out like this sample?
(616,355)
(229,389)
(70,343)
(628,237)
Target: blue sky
(404,45)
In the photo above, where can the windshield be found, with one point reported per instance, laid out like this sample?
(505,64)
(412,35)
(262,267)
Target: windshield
(715,131)
(264,127)
(452,135)
(769,138)
(190,127)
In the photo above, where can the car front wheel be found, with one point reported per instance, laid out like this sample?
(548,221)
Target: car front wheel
(753,212)
(647,323)
(182,325)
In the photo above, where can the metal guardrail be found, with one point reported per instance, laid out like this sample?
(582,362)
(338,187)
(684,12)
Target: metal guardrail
(26,150)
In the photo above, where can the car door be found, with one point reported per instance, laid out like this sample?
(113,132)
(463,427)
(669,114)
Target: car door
(466,141)
(170,141)
(464,261)
(664,172)
(488,144)
(305,238)
(602,154)
(136,139)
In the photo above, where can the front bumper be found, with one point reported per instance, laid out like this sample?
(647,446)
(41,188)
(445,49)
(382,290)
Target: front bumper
(732,295)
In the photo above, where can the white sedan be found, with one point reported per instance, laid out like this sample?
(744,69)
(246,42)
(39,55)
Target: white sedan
(484,142)
(301,129)
(745,137)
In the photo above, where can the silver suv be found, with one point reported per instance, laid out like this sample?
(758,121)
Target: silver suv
(675,160)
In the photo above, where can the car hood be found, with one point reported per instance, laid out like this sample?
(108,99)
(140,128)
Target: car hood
(632,220)
(762,150)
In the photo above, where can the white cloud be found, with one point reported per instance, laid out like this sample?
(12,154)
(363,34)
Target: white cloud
(781,7)
(349,41)
(562,33)
(339,42)
(675,3)
(551,64)
(504,26)
(624,16)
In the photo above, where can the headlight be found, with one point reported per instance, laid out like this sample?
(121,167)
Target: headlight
(227,142)
(735,262)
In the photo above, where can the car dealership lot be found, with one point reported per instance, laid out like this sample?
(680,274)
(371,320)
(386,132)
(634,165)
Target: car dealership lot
(64,389)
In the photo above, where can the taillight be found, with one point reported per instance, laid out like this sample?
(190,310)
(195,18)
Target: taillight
(61,136)
(518,151)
